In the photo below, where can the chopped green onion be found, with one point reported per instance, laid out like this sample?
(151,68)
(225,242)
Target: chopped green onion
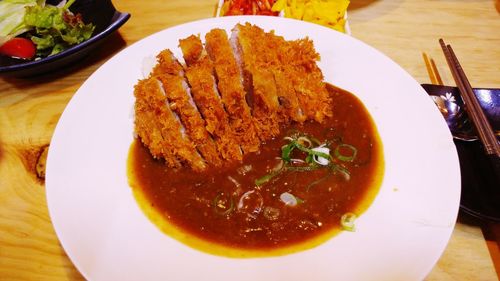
(340,169)
(287,150)
(347,221)
(318,156)
(313,152)
(302,168)
(304,141)
(262,180)
(347,158)
(220,204)
(290,199)
(309,158)
(321,160)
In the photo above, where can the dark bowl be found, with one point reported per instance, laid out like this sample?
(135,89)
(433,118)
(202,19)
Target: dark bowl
(101,13)
(480,195)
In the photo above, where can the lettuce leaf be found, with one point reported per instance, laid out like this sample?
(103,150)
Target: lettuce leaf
(55,29)
(12,18)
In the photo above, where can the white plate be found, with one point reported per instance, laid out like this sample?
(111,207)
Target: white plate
(400,237)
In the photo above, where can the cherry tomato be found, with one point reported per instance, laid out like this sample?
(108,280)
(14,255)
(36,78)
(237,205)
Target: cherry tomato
(21,48)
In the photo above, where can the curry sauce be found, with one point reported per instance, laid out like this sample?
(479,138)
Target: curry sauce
(275,201)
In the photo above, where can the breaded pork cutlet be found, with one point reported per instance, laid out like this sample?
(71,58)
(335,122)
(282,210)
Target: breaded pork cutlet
(270,56)
(170,72)
(230,85)
(290,105)
(167,64)
(160,130)
(231,96)
(148,129)
(256,64)
(199,73)
(299,59)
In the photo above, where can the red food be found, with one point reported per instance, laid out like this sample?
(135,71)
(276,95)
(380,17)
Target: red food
(250,7)
(21,48)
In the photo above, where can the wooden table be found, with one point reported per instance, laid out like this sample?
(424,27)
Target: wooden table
(402,29)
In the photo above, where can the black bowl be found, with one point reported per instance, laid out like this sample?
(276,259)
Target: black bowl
(101,13)
(480,195)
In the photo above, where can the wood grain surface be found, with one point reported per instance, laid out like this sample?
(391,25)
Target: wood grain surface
(401,29)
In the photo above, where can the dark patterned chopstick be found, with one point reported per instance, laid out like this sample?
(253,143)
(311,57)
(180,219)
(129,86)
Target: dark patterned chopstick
(472,106)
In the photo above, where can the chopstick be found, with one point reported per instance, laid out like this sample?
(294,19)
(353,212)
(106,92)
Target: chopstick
(472,107)
(432,70)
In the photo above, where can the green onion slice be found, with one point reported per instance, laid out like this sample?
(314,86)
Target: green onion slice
(313,152)
(290,199)
(262,180)
(347,157)
(343,171)
(304,141)
(220,204)
(286,151)
(347,221)
(302,168)
(309,159)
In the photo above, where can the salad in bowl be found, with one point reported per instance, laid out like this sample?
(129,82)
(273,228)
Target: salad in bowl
(31,29)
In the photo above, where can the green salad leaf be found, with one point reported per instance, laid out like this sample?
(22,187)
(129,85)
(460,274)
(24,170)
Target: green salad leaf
(12,18)
(55,29)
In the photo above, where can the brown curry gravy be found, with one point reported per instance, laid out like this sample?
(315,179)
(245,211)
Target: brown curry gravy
(203,210)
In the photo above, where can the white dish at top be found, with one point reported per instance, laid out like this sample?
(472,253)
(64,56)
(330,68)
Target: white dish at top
(400,237)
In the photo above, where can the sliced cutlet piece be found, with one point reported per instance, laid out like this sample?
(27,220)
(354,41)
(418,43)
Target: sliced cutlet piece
(181,103)
(301,60)
(249,44)
(230,84)
(170,72)
(147,127)
(272,46)
(192,49)
(283,76)
(175,142)
(199,73)
(167,64)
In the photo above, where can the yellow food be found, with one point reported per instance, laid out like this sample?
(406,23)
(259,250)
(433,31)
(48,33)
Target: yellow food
(329,13)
